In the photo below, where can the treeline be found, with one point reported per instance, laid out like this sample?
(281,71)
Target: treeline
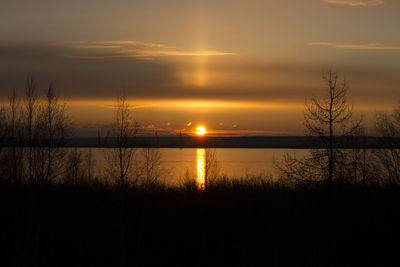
(35,128)
(33,132)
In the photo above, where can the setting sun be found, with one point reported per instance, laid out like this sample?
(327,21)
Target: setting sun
(200,130)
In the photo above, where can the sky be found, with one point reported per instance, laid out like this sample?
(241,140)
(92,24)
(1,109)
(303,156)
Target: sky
(239,67)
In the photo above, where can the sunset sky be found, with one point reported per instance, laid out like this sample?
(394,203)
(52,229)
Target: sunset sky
(240,67)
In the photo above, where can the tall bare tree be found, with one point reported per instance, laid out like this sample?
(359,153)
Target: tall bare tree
(14,136)
(125,130)
(53,128)
(31,105)
(121,157)
(330,119)
(325,115)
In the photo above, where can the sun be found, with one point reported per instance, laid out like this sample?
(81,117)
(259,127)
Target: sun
(200,130)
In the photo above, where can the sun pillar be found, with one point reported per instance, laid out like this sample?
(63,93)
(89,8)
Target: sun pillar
(201,168)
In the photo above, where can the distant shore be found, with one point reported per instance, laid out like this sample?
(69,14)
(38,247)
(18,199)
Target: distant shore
(292,142)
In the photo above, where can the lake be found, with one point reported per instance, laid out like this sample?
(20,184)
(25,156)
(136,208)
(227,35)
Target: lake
(232,162)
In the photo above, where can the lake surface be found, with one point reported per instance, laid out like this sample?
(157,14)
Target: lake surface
(232,162)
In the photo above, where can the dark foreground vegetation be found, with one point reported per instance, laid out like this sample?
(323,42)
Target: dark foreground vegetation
(242,223)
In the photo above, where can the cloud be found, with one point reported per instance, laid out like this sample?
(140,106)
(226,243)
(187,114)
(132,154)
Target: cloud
(113,44)
(371,46)
(232,80)
(133,49)
(363,3)
(115,106)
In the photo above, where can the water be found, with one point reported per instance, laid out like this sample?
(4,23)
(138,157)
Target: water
(231,162)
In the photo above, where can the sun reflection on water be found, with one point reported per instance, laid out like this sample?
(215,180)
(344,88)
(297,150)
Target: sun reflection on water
(201,165)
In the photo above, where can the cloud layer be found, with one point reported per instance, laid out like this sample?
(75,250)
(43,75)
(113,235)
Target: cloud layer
(356,2)
(372,46)
(227,78)
(132,49)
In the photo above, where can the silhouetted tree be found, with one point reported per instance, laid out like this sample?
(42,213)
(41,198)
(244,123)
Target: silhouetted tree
(74,173)
(14,137)
(330,119)
(89,163)
(53,128)
(3,127)
(120,159)
(360,162)
(31,107)
(388,127)
(151,165)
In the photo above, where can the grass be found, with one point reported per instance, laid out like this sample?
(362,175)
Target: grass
(240,222)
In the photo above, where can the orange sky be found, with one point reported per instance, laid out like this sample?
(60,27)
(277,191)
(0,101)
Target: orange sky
(240,67)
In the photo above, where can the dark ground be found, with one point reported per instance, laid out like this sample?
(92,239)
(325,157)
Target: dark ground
(270,226)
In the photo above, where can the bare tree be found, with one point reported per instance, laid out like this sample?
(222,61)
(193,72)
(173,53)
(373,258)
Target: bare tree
(120,159)
(3,129)
(361,165)
(330,119)
(15,160)
(89,161)
(151,165)
(53,128)
(388,127)
(74,173)
(31,105)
